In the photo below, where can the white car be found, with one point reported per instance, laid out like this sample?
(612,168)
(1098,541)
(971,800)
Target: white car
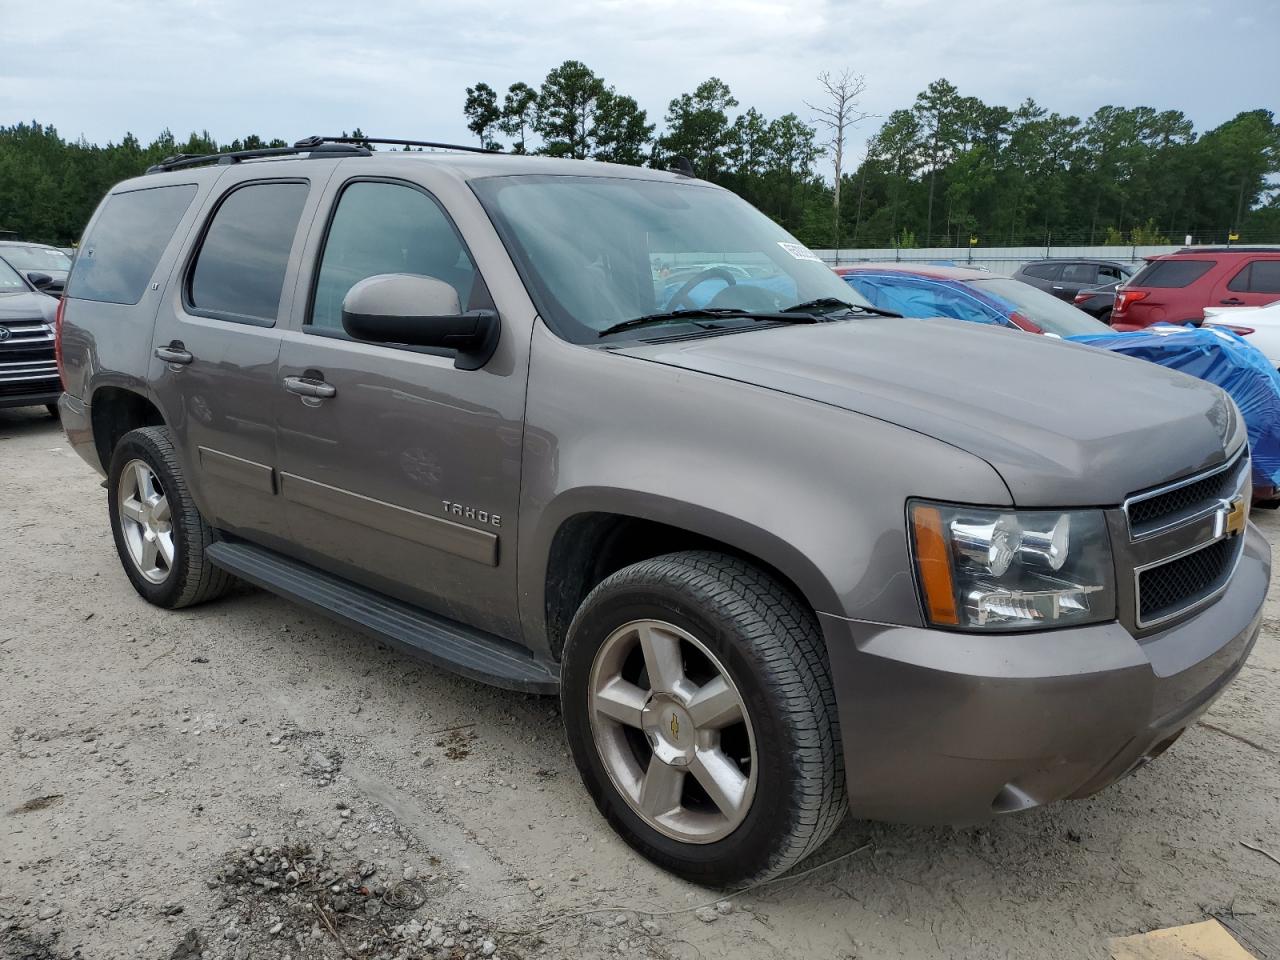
(1258,325)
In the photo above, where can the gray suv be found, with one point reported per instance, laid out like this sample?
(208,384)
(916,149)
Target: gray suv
(607,432)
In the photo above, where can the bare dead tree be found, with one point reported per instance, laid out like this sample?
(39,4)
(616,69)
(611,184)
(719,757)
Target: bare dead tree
(839,113)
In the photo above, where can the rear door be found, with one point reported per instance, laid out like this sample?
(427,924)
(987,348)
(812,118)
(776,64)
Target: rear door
(1255,284)
(406,476)
(1042,275)
(1074,278)
(216,344)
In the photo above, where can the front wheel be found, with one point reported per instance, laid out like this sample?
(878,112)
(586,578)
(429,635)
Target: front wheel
(700,712)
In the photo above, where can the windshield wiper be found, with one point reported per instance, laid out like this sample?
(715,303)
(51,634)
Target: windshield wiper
(834,303)
(708,313)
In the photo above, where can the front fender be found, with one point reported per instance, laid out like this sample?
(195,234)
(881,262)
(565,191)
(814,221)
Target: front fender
(815,491)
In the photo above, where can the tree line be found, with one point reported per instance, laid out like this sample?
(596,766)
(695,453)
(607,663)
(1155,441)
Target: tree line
(947,170)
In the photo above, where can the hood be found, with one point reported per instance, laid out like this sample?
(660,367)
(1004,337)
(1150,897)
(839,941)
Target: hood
(25,305)
(1064,425)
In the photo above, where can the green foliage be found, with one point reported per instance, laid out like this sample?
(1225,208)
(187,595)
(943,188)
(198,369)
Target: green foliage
(944,169)
(483,114)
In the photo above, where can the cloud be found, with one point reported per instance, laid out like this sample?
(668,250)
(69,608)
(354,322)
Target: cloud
(289,68)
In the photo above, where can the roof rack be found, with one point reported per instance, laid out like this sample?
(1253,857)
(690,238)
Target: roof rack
(391,141)
(351,146)
(310,146)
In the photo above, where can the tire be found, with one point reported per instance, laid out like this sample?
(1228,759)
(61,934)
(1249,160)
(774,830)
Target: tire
(186,577)
(53,410)
(1105,317)
(725,615)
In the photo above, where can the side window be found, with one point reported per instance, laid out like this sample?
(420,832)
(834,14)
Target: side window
(383,227)
(239,271)
(1080,273)
(1240,282)
(1260,276)
(117,259)
(1107,273)
(1044,271)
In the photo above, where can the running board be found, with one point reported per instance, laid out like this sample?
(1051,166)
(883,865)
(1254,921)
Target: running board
(443,642)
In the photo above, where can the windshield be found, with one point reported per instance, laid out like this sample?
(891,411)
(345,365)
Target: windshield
(36,258)
(9,279)
(596,251)
(1043,309)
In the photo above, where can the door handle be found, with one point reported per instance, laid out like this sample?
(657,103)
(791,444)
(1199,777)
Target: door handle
(305,387)
(1056,287)
(175,352)
(1232,302)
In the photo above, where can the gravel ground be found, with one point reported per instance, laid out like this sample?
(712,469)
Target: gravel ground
(244,779)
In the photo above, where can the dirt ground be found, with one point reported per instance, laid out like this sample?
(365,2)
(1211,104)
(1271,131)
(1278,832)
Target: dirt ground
(248,780)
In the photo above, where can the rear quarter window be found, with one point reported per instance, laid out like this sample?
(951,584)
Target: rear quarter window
(1171,273)
(1260,276)
(116,260)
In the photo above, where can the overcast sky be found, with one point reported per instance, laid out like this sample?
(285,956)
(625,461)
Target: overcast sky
(290,68)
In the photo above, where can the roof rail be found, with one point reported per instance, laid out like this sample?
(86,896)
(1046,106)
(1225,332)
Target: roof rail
(1273,248)
(181,160)
(392,141)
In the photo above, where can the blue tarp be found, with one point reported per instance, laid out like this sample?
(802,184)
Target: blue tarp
(1222,358)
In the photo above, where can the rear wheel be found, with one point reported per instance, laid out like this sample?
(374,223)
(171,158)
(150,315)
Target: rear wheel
(159,533)
(701,716)
(53,410)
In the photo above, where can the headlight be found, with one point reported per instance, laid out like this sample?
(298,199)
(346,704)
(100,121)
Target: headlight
(984,569)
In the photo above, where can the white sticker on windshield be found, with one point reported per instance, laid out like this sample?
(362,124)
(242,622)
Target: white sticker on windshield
(799,251)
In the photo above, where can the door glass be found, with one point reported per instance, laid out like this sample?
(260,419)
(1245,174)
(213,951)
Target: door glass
(1083,273)
(1264,276)
(239,272)
(387,228)
(1043,271)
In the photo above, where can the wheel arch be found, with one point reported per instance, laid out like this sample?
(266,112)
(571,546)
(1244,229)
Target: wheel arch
(114,411)
(584,543)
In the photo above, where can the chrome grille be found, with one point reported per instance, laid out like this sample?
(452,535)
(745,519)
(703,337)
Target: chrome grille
(25,333)
(1155,510)
(1185,539)
(1172,586)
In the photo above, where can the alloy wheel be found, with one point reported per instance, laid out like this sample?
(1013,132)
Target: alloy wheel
(145,521)
(673,731)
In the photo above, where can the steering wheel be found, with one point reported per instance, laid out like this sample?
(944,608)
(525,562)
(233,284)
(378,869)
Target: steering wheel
(681,296)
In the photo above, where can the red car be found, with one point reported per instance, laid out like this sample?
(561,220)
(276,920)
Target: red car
(1176,287)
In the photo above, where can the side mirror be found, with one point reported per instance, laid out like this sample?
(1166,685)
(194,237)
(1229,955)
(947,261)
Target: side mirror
(419,311)
(41,281)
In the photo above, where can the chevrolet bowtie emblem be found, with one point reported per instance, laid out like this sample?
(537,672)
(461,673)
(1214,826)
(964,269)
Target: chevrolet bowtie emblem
(1236,517)
(675,727)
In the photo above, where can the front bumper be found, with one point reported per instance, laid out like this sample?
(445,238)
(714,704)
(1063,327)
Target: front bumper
(956,727)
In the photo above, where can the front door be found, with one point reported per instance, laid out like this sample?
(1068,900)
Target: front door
(397,469)
(216,345)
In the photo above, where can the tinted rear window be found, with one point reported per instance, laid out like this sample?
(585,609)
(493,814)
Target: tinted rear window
(1171,273)
(1261,276)
(117,259)
(239,272)
(1043,271)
